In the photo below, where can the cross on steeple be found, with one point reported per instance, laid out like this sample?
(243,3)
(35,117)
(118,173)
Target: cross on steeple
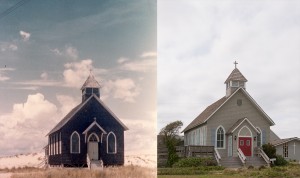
(235,63)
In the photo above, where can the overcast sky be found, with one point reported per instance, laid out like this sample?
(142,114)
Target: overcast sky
(198,41)
(47,49)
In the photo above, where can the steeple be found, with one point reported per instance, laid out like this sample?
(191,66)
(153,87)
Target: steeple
(234,81)
(90,87)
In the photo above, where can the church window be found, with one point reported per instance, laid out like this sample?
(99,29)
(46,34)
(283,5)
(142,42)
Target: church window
(239,102)
(235,83)
(220,137)
(111,143)
(285,150)
(259,137)
(75,143)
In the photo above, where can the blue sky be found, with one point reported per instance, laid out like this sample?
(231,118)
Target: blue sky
(48,49)
(198,41)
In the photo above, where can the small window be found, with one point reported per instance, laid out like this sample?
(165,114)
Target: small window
(285,150)
(235,83)
(75,143)
(241,142)
(111,143)
(239,102)
(248,142)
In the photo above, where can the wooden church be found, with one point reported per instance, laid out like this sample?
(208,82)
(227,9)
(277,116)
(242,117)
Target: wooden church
(89,132)
(235,125)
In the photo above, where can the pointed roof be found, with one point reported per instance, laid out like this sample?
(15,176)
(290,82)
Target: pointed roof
(213,108)
(236,75)
(90,82)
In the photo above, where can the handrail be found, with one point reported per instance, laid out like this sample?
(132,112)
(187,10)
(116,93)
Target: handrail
(217,156)
(88,161)
(241,156)
(264,155)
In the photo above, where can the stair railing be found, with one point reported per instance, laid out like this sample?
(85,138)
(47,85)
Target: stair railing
(88,161)
(217,156)
(241,156)
(264,155)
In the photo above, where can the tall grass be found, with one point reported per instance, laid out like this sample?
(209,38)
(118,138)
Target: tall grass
(109,172)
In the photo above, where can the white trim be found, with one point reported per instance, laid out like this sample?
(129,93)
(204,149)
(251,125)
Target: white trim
(288,140)
(92,124)
(249,97)
(91,135)
(243,135)
(248,122)
(71,151)
(261,136)
(108,143)
(224,137)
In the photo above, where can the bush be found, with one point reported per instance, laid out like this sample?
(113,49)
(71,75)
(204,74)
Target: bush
(195,162)
(280,161)
(270,150)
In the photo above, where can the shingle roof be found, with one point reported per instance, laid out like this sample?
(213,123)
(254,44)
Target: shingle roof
(236,75)
(77,108)
(91,82)
(282,141)
(205,114)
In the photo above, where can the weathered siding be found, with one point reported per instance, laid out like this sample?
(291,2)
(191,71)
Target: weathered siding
(292,154)
(196,136)
(230,113)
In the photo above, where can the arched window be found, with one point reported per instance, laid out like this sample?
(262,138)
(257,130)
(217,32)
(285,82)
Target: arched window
(259,137)
(220,141)
(111,143)
(75,142)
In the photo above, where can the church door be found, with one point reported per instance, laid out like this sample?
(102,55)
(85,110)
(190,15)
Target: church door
(245,145)
(93,147)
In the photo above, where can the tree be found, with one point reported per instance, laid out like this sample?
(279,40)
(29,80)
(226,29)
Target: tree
(170,132)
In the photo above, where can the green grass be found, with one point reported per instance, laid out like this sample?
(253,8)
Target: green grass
(290,171)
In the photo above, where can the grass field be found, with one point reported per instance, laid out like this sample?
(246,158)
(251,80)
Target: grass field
(109,172)
(290,171)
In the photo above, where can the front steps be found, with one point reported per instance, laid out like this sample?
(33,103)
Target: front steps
(96,164)
(235,162)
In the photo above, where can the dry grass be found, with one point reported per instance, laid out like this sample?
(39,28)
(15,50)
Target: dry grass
(113,172)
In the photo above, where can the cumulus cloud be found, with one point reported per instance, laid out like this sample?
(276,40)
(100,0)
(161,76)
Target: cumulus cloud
(25,125)
(25,35)
(8,47)
(123,89)
(122,60)
(149,54)
(141,65)
(75,73)
(69,52)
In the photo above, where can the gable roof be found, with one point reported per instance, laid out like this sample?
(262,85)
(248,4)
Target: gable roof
(236,75)
(282,141)
(91,82)
(213,108)
(77,108)
(240,122)
(92,124)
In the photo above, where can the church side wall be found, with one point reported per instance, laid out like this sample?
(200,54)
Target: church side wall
(293,153)
(230,113)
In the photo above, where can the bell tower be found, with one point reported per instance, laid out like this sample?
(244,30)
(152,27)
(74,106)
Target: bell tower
(90,87)
(234,81)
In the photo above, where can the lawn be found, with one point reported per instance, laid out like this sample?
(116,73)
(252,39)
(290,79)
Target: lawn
(292,170)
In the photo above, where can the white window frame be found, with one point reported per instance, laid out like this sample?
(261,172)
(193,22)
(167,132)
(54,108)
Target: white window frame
(71,151)
(224,138)
(115,151)
(260,137)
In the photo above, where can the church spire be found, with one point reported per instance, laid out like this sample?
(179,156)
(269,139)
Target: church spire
(90,87)
(235,80)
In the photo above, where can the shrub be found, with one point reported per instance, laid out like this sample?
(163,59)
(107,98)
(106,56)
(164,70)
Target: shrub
(270,150)
(280,161)
(250,167)
(195,162)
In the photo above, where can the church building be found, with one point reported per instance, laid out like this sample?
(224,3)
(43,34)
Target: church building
(89,133)
(235,125)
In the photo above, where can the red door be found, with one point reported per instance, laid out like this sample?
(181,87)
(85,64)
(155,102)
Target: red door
(245,145)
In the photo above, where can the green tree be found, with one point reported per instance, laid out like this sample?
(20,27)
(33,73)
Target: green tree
(170,132)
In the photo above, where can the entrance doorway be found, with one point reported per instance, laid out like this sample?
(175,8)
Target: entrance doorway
(93,150)
(245,145)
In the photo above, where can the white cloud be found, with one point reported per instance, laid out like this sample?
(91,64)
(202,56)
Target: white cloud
(68,52)
(67,103)
(25,125)
(149,54)
(3,74)
(5,46)
(141,65)
(25,35)
(44,75)
(124,89)
(122,60)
